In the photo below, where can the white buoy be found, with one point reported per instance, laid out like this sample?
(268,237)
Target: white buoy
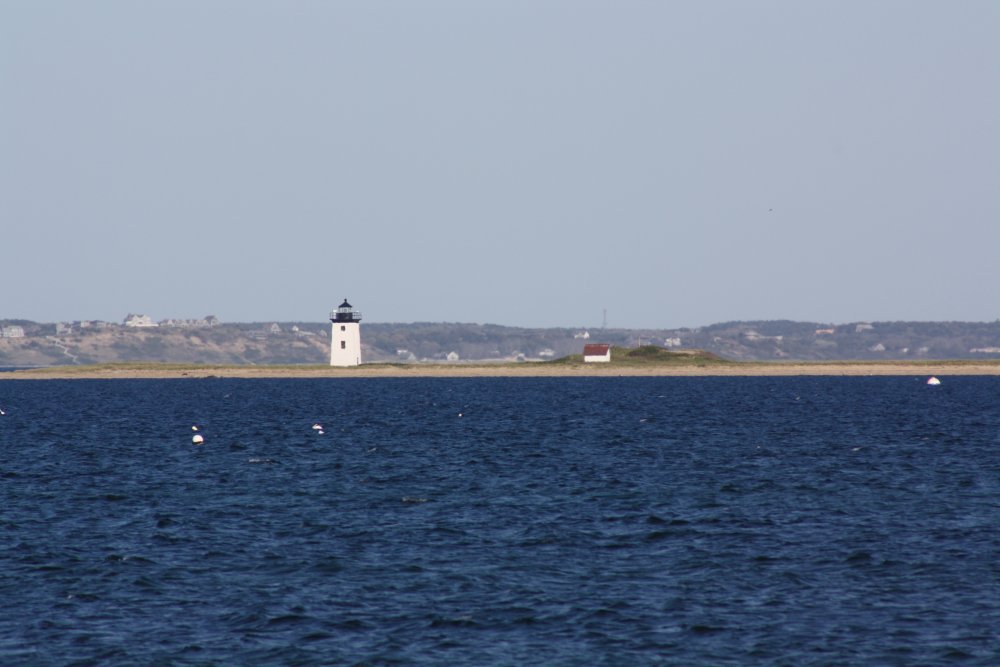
(933,381)
(197,439)
(317,427)
(194,428)
(319,432)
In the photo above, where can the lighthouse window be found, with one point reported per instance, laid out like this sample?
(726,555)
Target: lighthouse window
(343,327)
(343,345)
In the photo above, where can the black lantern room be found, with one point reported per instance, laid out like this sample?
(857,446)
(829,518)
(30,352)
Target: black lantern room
(345,313)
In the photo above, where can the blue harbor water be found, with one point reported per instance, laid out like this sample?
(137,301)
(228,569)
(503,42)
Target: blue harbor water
(611,521)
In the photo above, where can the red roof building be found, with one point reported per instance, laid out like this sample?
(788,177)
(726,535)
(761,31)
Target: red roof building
(596,352)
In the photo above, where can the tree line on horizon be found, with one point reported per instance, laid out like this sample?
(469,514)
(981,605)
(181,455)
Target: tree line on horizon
(40,344)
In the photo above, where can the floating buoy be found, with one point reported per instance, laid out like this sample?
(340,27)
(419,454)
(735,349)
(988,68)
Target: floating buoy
(933,381)
(197,439)
(317,427)
(194,428)
(319,432)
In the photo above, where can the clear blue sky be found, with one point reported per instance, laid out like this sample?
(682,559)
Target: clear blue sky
(523,163)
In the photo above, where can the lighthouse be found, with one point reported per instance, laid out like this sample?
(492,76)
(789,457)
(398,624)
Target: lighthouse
(345,336)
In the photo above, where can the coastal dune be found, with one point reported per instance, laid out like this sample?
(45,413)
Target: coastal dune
(733,369)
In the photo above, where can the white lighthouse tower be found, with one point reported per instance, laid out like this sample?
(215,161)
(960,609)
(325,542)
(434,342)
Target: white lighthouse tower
(345,336)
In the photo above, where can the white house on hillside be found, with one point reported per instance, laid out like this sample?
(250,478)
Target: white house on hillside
(132,320)
(13,331)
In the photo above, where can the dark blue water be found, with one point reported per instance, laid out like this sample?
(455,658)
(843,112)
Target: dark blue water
(624,521)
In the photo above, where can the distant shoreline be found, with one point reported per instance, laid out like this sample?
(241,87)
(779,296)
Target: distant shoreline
(729,369)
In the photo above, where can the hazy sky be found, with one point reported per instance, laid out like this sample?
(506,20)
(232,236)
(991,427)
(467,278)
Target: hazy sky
(529,163)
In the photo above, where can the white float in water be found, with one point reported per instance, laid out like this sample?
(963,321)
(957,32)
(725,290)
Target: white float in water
(194,428)
(319,432)
(933,381)
(317,427)
(197,439)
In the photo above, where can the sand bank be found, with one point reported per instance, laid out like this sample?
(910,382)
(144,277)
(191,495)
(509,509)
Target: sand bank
(923,368)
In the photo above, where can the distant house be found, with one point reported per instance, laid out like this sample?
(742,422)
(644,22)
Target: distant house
(12,332)
(274,329)
(756,337)
(132,320)
(672,342)
(452,356)
(582,334)
(862,327)
(825,332)
(596,352)
(171,322)
(547,353)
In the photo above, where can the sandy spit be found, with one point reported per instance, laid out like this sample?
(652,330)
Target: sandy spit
(923,368)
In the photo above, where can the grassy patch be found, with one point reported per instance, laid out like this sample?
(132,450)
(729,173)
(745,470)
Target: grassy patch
(651,355)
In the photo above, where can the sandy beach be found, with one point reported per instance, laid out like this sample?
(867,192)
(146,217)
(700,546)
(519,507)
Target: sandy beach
(938,368)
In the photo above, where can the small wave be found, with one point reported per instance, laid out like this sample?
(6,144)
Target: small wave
(859,557)
(454,622)
(957,654)
(328,565)
(287,619)
(658,535)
